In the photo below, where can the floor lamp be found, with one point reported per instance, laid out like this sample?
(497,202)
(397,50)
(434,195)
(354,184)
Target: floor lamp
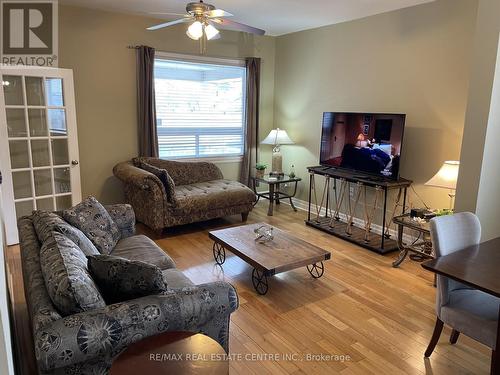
(446,178)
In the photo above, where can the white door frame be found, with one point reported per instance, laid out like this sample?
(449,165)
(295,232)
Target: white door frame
(71,125)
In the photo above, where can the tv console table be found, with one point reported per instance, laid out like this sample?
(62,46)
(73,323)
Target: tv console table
(339,215)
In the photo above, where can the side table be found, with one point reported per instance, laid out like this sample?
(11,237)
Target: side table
(179,353)
(274,195)
(421,247)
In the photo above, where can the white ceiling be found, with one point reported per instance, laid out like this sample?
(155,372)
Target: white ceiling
(277,17)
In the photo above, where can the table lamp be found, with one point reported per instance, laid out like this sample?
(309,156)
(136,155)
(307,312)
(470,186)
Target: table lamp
(277,137)
(446,178)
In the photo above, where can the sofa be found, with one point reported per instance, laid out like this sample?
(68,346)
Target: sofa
(87,342)
(190,192)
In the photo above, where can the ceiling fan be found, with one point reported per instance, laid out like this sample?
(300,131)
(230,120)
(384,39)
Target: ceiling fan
(204,18)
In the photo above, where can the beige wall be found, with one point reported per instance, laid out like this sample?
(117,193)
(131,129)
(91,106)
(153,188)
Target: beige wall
(479,179)
(414,61)
(93,44)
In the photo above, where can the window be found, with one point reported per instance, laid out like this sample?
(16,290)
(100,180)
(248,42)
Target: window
(200,108)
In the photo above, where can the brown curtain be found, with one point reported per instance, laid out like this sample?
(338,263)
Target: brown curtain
(252,119)
(146,109)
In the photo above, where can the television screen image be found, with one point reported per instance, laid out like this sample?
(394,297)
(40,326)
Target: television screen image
(364,142)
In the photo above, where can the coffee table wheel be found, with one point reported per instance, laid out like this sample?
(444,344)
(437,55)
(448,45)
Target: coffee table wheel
(316,270)
(219,254)
(259,281)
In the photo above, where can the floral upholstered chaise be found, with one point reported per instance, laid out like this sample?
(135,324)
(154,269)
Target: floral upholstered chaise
(167,193)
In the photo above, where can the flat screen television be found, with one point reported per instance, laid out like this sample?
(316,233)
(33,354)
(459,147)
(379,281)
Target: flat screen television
(368,143)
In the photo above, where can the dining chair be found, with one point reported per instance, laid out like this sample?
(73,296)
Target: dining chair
(464,309)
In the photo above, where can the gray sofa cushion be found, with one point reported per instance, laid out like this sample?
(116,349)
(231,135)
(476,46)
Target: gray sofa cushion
(175,279)
(68,283)
(77,236)
(124,217)
(44,222)
(92,219)
(120,279)
(143,248)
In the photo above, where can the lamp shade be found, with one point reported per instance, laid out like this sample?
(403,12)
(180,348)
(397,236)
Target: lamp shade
(195,31)
(277,137)
(211,32)
(446,177)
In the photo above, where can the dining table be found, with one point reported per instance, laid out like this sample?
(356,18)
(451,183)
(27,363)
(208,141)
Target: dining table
(477,266)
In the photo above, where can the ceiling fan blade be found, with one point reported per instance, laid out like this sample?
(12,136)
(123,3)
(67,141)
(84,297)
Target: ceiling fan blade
(169,14)
(217,13)
(232,25)
(167,24)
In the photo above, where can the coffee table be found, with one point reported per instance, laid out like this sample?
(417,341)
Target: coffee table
(284,253)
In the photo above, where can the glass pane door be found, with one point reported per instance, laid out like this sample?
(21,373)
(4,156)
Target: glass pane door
(42,161)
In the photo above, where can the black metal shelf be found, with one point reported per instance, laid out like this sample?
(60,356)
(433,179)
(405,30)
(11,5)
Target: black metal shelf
(380,243)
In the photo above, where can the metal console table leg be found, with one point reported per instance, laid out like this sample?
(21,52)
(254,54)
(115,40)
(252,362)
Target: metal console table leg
(403,249)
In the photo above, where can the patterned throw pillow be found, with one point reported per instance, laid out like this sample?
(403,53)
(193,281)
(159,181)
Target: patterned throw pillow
(77,236)
(95,222)
(68,282)
(164,177)
(120,279)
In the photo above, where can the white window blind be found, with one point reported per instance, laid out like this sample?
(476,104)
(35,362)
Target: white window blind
(200,109)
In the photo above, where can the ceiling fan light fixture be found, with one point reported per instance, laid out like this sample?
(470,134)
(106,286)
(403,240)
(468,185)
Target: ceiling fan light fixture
(202,17)
(211,31)
(195,30)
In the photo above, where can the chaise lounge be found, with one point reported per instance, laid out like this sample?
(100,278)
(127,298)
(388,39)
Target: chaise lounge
(167,193)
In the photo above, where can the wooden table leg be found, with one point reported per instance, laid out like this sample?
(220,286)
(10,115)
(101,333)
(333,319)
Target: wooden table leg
(271,200)
(495,354)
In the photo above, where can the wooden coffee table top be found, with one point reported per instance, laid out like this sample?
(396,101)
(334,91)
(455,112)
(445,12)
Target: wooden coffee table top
(286,252)
(179,353)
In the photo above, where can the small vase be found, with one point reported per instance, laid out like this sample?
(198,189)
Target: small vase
(259,173)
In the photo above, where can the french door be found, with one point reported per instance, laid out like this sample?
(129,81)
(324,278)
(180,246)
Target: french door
(38,142)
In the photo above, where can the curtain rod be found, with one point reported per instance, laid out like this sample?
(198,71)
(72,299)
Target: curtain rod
(190,54)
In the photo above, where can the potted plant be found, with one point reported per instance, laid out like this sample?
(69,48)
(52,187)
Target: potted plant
(260,169)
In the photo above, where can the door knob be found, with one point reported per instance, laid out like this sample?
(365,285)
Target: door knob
(74,162)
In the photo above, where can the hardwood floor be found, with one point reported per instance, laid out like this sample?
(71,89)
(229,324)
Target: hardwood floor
(376,319)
